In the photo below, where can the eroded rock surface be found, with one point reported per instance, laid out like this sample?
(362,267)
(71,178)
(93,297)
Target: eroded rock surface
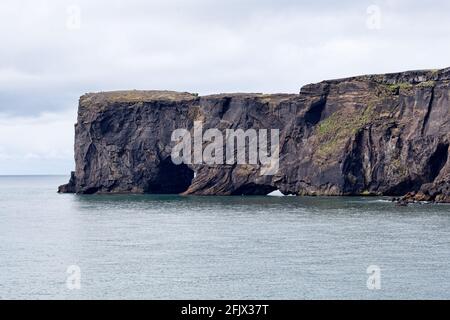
(376,134)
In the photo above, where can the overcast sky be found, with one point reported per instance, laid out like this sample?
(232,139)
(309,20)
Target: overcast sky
(53,51)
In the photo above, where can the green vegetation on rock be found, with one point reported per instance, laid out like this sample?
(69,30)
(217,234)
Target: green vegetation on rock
(334,131)
(395,88)
(427,84)
(398,168)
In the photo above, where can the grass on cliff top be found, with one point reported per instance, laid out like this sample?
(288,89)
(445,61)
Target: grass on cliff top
(137,96)
(153,95)
(334,131)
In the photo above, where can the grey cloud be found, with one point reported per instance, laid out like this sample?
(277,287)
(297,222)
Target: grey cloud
(205,46)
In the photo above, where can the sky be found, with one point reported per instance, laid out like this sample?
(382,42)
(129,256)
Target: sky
(53,51)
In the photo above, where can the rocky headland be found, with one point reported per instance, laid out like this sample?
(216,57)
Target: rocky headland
(366,135)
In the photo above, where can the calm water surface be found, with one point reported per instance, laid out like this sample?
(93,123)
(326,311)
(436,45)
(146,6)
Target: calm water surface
(173,247)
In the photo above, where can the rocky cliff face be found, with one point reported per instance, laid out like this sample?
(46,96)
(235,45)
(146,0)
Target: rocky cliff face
(377,134)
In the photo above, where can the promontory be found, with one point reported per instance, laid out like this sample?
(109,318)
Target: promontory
(366,135)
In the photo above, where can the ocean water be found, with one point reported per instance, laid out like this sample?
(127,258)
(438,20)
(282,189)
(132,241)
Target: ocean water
(173,247)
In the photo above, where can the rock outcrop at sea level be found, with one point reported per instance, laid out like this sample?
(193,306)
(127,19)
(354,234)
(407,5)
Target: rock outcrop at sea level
(366,135)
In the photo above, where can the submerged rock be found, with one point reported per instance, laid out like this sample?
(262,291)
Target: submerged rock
(375,134)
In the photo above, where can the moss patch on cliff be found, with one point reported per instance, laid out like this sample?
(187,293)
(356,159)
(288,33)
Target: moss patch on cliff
(402,86)
(427,84)
(334,131)
(396,166)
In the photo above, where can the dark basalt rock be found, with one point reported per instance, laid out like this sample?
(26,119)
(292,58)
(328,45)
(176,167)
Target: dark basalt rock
(367,135)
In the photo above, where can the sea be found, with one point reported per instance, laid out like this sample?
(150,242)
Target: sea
(66,246)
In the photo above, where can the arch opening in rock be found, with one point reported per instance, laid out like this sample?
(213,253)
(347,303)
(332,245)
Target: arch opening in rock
(252,189)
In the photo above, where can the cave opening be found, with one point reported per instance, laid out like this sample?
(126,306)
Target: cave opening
(314,114)
(171,178)
(437,161)
(404,187)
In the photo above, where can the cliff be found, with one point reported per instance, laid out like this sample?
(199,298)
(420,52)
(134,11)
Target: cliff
(375,134)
